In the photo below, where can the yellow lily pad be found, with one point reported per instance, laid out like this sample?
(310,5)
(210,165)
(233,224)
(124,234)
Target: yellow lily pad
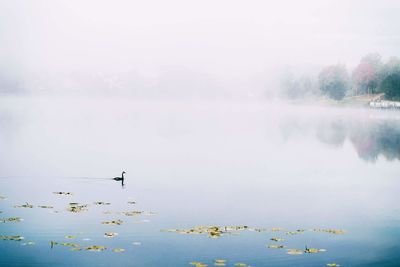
(332,265)
(293,251)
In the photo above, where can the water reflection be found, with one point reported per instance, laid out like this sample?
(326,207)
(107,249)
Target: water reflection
(371,138)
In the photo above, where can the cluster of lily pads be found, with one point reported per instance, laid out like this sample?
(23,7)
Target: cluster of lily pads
(211,231)
(78,247)
(218,262)
(75,207)
(219,231)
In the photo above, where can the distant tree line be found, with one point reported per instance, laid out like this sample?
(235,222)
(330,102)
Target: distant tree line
(370,76)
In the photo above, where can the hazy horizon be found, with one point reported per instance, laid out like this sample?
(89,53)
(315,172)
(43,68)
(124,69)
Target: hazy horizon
(241,47)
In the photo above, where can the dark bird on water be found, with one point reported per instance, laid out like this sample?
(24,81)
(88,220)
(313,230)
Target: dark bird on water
(120,178)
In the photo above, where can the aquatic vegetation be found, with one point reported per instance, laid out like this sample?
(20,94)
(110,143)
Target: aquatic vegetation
(219,264)
(65,244)
(277,229)
(277,239)
(96,248)
(293,251)
(2,198)
(241,264)
(63,193)
(212,231)
(101,203)
(118,250)
(131,202)
(198,264)
(70,236)
(313,250)
(115,222)
(45,207)
(27,205)
(330,231)
(12,237)
(298,231)
(76,207)
(332,265)
(110,234)
(276,246)
(12,219)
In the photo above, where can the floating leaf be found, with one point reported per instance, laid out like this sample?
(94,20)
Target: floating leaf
(332,264)
(277,229)
(27,205)
(110,234)
(2,198)
(330,231)
(45,207)
(101,203)
(11,237)
(240,264)
(118,250)
(115,222)
(96,248)
(76,207)
(70,236)
(12,219)
(63,193)
(294,251)
(277,239)
(276,246)
(131,202)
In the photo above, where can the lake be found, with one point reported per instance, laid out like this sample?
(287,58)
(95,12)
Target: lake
(313,177)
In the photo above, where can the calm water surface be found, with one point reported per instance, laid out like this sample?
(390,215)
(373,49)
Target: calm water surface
(193,163)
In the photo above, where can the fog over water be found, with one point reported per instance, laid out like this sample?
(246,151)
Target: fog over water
(181,48)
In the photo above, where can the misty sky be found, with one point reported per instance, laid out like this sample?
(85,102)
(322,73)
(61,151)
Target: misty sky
(229,39)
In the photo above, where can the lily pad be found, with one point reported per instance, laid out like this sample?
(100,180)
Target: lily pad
(332,264)
(63,193)
(96,248)
(12,237)
(277,239)
(12,219)
(293,251)
(110,234)
(27,205)
(118,250)
(114,222)
(276,246)
(101,203)
(45,207)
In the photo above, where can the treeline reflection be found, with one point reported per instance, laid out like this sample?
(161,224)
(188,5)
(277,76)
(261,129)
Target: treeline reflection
(371,139)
